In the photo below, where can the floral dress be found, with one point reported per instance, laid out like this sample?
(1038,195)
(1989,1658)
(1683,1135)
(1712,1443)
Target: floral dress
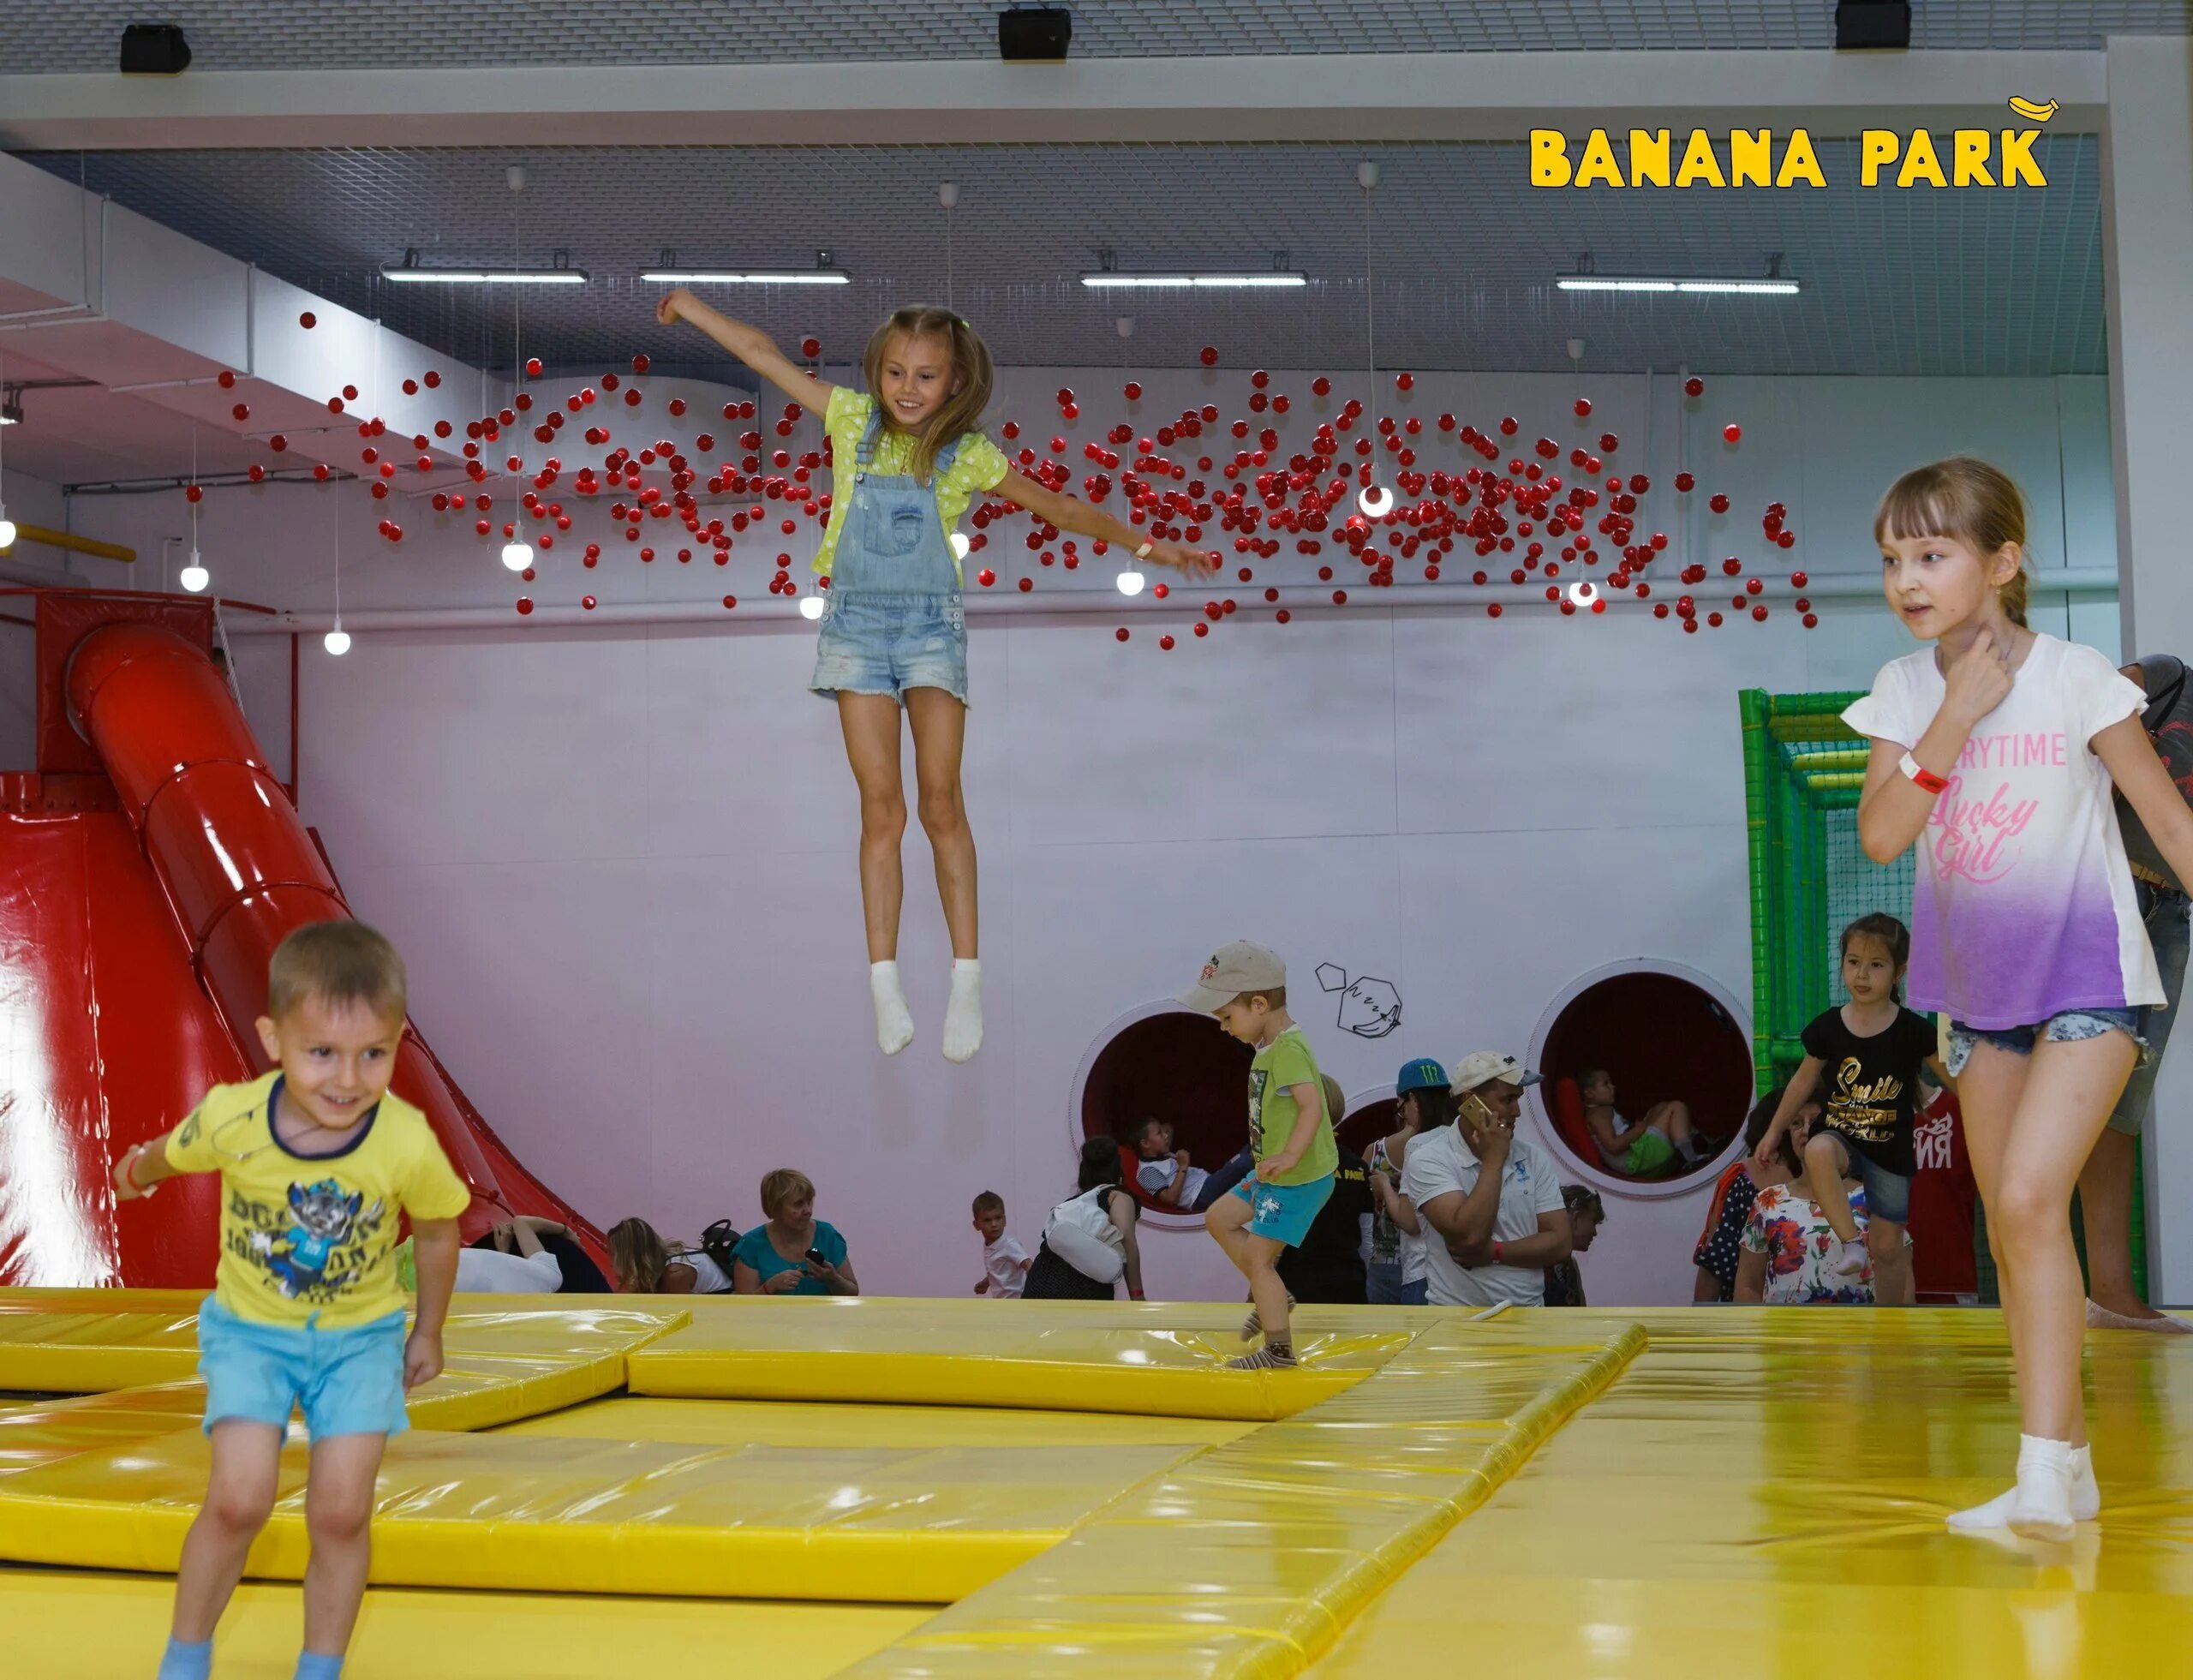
(1788,1228)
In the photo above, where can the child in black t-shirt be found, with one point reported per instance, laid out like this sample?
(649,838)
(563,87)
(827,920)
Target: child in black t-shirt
(1864,1059)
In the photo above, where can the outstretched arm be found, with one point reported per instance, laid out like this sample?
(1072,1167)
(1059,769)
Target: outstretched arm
(141,1169)
(750,345)
(1070,513)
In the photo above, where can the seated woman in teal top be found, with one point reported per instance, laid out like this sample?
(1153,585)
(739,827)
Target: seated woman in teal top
(792,1252)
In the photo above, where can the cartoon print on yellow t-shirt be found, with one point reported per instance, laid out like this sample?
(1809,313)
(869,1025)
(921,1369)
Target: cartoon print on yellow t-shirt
(315,1246)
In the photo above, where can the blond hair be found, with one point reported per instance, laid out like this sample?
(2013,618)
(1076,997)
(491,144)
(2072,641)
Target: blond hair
(959,413)
(638,1255)
(1965,498)
(337,963)
(781,1186)
(1335,1100)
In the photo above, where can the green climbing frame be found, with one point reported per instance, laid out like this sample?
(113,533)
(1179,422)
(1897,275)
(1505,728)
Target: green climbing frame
(1804,768)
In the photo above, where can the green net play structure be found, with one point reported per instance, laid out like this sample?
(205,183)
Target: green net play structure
(1804,768)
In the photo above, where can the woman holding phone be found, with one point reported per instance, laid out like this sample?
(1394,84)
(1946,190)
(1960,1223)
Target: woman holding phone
(792,1252)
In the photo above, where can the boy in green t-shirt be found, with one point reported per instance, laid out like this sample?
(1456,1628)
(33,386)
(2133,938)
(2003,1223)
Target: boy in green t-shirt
(1290,1134)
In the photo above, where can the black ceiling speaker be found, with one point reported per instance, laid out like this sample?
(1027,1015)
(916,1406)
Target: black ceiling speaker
(1864,23)
(1033,34)
(154,50)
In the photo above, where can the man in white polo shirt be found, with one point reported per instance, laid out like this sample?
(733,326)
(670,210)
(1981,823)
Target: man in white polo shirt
(1488,1201)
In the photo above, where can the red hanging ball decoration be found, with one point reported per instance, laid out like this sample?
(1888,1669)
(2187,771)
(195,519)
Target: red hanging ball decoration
(241,411)
(524,606)
(1201,629)
(307,320)
(730,601)
(1694,386)
(1340,597)
(1121,634)
(640,364)
(533,367)
(194,492)
(1719,503)
(1164,642)
(1404,381)
(1732,432)
(256,472)
(1132,391)
(277,443)
(1321,386)
(1759,613)
(986,577)
(1811,621)
(1583,407)
(1209,355)
(1714,619)
(1510,425)
(1283,616)
(811,347)
(588,602)
(1493,611)
(1026,584)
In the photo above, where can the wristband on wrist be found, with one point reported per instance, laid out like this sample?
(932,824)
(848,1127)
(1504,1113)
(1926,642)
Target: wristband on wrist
(1920,775)
(1144,552)
(129,1171)
(1134,1294)
(1499,1253)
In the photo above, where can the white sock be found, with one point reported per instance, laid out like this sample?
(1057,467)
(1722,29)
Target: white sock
(2040,1506)
(2086,1498)
(962,1015)
(2001,1509)
(895,1022)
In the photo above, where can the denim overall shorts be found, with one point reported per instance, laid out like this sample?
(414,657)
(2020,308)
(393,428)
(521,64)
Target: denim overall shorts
(894,619)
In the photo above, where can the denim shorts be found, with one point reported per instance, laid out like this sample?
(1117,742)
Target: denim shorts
(2067,1028)
(349,1382)
(876,642)
(1888,1195)
(1283,1213)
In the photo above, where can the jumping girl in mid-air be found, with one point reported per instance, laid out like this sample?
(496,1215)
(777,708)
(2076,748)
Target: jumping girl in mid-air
(907,460)
(1995,751)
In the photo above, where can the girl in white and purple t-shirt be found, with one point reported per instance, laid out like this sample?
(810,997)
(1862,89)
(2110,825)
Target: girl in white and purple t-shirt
(1995,751)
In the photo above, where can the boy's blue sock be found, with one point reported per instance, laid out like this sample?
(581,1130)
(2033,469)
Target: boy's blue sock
(187,1662)
(311,1666)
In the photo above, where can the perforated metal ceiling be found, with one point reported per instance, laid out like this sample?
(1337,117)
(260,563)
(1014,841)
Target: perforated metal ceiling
(1917,283)
(37,35)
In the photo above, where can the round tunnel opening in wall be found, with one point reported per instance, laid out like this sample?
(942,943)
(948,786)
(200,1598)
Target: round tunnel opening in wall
(1175,1066)
(1663,1037)
(1368,1120)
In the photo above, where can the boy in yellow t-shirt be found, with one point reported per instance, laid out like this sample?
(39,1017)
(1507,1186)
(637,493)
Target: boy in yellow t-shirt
(317,1163)
(1290,1133)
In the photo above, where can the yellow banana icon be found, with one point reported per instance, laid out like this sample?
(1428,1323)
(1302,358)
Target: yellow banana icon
(2031,111)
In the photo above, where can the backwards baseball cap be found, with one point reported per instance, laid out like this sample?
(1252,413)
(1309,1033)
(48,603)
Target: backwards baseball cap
(1234,969)
(1483,1067)
(1422,1074)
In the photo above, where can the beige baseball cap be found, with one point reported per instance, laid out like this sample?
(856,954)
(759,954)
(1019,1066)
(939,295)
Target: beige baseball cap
(1482,1067)
(1234,969)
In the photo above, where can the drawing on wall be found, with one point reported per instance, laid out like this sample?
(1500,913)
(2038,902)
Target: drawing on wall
(1369,1008)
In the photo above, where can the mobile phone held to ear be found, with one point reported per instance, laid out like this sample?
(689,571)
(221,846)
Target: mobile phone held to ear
(1475,1107)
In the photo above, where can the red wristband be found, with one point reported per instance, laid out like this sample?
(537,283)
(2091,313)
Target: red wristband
(1500,1254)
(1923,776)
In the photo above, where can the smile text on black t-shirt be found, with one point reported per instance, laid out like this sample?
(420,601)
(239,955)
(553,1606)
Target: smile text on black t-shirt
(1870,1084)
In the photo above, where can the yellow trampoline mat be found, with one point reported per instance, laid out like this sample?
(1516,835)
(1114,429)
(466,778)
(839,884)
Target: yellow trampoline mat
(1764,1492)
(761,1423)
(111,1627)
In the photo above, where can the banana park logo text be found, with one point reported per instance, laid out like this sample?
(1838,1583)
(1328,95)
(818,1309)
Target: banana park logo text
(1978,157)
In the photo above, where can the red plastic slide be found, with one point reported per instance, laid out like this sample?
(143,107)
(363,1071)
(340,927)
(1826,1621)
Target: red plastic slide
(148,869)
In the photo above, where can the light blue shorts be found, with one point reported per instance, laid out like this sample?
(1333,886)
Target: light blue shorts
(349,1382)
(876,642)
(1283,1211)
